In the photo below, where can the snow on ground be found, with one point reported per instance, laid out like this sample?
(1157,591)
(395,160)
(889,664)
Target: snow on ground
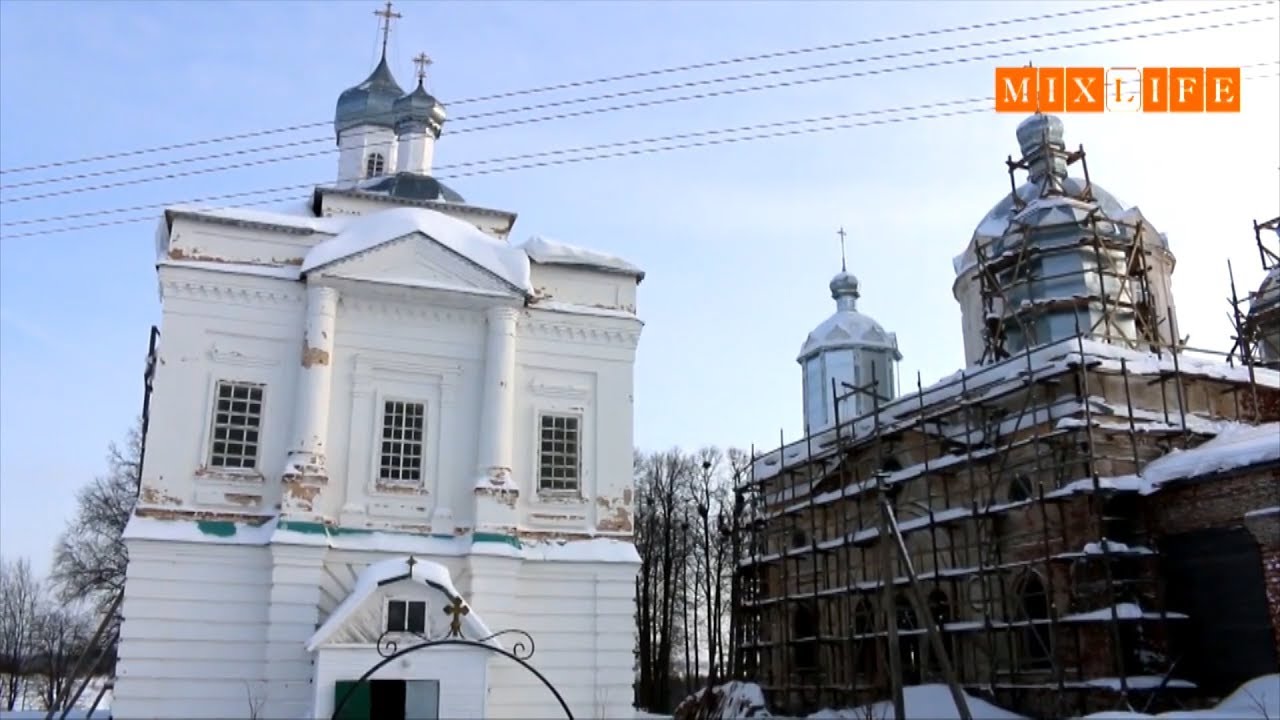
(933,702)
(922,702)
(1258,699)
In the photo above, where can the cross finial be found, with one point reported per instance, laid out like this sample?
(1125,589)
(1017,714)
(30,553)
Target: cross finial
(412,561)
(840,232)
(387,16)
(422,62)
(456,610)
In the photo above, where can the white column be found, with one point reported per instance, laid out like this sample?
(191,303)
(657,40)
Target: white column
(495,490)
(307,447)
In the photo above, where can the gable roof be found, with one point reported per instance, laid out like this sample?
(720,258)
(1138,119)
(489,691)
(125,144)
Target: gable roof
(393,570)
(366,232)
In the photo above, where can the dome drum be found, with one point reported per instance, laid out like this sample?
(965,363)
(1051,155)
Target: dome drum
(1056,259)
(1264,316)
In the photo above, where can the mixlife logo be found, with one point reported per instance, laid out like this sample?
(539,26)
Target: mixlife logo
(1118,89)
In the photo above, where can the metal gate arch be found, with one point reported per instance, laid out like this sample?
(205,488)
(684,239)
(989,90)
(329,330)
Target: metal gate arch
(389,649)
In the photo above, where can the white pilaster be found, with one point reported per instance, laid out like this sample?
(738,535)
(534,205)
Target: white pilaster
(293,614)
(306,465)
(495,491)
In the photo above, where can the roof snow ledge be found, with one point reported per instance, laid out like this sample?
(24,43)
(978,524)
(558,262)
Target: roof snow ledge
(545,251)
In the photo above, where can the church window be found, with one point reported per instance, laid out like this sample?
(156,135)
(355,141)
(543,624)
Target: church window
(407,616)
(815,393)
(374,165)
(402,442)
(237,423)
(559,452)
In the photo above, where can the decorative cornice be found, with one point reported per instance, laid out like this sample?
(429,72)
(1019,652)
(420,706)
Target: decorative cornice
(443,316)
(445,207)
(223,292)
(553,330)
(283,228)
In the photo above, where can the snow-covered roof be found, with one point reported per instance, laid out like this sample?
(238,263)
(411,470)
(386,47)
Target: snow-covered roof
(990,380)
(545,251)
(363,233)
(355,234)
(848,328)
(397,569)
(1236,446)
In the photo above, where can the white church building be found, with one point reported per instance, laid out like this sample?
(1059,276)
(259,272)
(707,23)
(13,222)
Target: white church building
(377,419)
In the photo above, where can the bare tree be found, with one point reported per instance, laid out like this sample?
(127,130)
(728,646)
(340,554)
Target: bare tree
(62,635)
(20,601)
(662,481)
(90,557)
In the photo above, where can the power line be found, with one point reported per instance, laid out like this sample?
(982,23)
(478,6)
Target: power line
(570,101)
(94,213)
(697,96)
(587,158)
(608,79)
(575,101)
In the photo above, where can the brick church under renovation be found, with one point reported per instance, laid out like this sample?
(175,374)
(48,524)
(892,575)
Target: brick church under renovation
(1085,518)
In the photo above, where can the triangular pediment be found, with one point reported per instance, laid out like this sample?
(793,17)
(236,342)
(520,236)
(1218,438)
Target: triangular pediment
(425,594)
(415,260)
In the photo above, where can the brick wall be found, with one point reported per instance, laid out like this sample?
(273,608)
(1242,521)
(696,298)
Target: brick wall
(1191,506)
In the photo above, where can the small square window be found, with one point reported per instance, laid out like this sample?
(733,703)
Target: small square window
(407,616)
(403,430)
(237,425)
(559,457)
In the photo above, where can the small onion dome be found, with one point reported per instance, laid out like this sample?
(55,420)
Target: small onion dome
(844,284)
(370,102)
(418,110)
(1038,129)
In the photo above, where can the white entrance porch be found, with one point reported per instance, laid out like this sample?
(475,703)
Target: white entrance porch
(396,604)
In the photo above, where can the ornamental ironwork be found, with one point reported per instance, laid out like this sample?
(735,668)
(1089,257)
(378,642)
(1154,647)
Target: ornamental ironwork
(394,644)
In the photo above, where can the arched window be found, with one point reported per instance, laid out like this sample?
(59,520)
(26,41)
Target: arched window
(1033,610)
(1020,489)
(940,610)
(909,641)
(374,165)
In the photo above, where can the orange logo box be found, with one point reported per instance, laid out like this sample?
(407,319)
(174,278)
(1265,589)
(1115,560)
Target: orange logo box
(1094,89)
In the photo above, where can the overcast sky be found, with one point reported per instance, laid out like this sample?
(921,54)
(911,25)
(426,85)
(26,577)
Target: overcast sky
(738,240)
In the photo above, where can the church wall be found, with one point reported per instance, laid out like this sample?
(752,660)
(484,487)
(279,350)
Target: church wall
(581,617)
(217,326)
(225,243)
(581,367)
(461,671)
(583,286)
(389,350)
(194,630)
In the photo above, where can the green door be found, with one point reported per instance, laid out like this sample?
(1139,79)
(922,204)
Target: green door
(359,705)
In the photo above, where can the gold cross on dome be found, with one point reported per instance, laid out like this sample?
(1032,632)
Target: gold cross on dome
(456,610)
(422,62)
(387,16)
